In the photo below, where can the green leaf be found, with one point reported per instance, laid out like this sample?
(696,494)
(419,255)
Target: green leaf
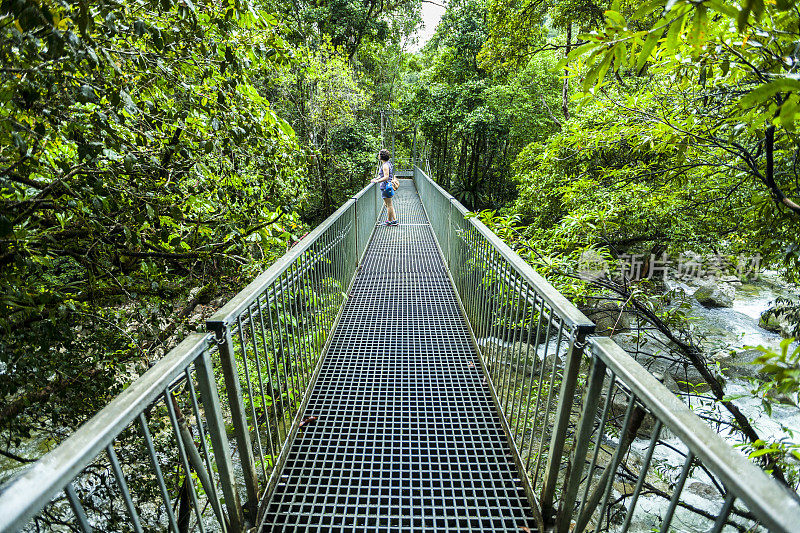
(647,49)
(615,17)
(788,112)
(647,8)
(763,92)
(674,33)
(762,451)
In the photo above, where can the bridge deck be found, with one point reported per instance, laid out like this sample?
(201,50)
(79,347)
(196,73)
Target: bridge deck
(407,437)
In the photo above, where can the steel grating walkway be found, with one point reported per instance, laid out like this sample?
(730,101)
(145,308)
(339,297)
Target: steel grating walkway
(407,437)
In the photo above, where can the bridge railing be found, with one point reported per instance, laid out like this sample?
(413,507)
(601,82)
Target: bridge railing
(642,459)
(271,336)
(532,342)
(167,430)
(525,330)
(152,426)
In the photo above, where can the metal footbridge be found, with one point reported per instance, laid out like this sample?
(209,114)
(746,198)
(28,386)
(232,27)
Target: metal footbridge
(412,378)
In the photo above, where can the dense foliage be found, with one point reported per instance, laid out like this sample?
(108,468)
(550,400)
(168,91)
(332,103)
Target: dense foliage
(154,156)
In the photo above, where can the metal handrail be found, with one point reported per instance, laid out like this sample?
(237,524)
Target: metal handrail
(270,327)
(27,494)
(234,307)
(771,504)
(487,261)
(563,307)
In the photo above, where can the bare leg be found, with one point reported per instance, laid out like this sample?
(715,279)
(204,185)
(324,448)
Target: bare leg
(390,216)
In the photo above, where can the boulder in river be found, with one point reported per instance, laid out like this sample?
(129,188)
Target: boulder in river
(783,317)
(738,364)
(716,294)
(609,317)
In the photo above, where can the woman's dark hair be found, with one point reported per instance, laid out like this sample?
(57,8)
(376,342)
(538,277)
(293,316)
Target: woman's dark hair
(384,155)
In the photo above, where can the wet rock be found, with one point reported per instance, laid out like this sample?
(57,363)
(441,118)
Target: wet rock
(737,364)
(783,317)
(609,317)
(650,351)
(662,375)
(704,490)
(715,294)
(782,398)
(519,355)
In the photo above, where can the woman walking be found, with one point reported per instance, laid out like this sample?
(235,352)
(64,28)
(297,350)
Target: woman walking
(384,177)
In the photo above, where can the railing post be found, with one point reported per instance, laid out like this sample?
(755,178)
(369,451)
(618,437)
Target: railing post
(355,228)
(565,398)
(582,438)
(219,440)
(236,403)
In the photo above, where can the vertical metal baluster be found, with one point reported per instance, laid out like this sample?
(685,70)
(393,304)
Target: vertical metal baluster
(566,397)
(157,469)
(238,411)
(77,508)
(322,266)
(213,497)
(488,323)
(514,341)
(449,232)
(337,249)
(724,513)
(292,291)
(351,263)
(598,443)
(549,402)
(277,350)
(504,350)
(302,322)
(264,408)
(542,366)
(123,487)
(297,312)
(275,400)
(642,475)
(499,334)
(472,277)
(527,379)
(673,503)
(495,348)
(317,328)
(310,315)
(507,337)
(320,277)
(285,349)
(290,342)
(506,280)
(486,284)
(243,345)
(184,458)
(219,439)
